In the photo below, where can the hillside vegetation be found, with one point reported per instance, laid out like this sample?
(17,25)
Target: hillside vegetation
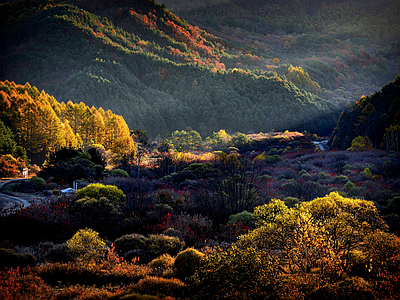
(157,71)
(375,117)
(258,226)
(240,199)
(348,48)
(40,124)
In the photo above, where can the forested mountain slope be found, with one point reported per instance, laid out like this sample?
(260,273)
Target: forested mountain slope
(351,18)
(349,48)
(376,117)
(157,71)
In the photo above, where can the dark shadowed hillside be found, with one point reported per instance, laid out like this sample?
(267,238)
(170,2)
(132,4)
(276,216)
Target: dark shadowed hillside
(376,117)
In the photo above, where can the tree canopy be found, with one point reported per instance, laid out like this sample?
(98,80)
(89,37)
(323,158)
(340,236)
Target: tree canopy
(375,118)
(300,251)
(43,125)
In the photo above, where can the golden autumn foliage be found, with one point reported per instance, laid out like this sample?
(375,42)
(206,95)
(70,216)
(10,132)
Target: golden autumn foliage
(331,245)
(43,124)
(301,78)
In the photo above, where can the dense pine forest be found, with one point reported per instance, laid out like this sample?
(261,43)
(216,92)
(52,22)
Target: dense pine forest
(380,125)
(153,66)
(214,149)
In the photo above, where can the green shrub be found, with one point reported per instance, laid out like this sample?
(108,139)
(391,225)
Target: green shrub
(367,173)
(349,186)
(306,177)
(37,183)
(162,244)
(160,286)
(274,151)
(360,143)
(350,189)
(8,258)
(119,173)
(130,242)
(244,217)
(240,140)
(187,262)
(323,176)
(291,201)
(162,262)
(86,245)
(302,172)
(273,159)
(268,213)
(200,169)
(98,190)
(340,179)
(292,187)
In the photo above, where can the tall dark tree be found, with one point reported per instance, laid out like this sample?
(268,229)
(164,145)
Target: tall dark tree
(142,143)
(8,145)
(67,165)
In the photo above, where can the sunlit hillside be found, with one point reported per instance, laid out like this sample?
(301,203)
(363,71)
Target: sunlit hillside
(348,48)
(199,150)
(157,71)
